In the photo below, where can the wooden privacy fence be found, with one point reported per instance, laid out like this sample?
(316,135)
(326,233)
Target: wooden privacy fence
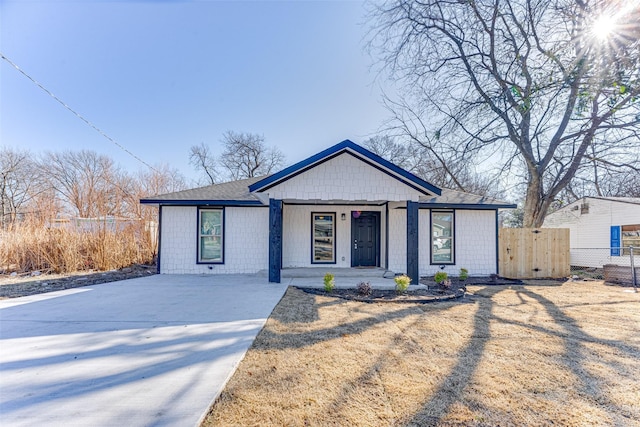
(533,253)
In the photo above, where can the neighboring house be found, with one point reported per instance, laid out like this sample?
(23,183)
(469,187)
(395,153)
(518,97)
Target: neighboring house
(600,229)
(343,207)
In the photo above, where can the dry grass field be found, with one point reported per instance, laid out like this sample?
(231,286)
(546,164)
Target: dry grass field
(506,355)
(27,247)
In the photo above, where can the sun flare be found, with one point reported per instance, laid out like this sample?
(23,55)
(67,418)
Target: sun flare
(604,27)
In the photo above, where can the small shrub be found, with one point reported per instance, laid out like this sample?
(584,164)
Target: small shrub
(364,288)
(440,277)
(464,274)
(329,282)
(402,283)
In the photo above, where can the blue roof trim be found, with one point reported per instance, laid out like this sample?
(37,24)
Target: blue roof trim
(476,206)
(284,174)
(202,202)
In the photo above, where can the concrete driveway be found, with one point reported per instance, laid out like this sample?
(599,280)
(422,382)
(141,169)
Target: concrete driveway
(141,352)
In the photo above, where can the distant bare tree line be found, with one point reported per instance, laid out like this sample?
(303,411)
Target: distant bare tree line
(77,183)
(87,184)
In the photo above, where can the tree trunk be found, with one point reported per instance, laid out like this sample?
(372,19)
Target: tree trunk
(535,204)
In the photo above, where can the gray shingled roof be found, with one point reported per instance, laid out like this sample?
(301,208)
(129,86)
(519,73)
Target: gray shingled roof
(454,198)
(226,191)
(238,191)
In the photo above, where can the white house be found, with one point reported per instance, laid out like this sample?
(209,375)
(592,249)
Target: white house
(600,228)
(343,207)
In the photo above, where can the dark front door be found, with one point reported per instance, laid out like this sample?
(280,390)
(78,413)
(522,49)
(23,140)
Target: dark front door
(365,239)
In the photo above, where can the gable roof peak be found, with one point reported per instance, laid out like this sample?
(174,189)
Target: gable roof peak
(335,150)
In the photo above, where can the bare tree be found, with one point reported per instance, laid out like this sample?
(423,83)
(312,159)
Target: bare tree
(545,89)
(419,160)
(203,160)
(19,183)
(85,182)
(246,155)
(603,183)
(399,154)
(161,179)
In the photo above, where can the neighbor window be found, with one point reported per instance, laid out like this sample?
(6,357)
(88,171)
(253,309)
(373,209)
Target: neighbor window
(210,235)
(323,234)
(442,237)
(630,237)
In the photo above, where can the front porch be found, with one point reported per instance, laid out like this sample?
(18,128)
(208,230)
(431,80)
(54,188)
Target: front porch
(350,239)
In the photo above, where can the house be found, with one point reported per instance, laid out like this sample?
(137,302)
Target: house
(343,207)
(600,229)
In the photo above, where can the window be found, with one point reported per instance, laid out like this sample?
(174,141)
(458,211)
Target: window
(323,233)
(210,236)
(630,237)
(442,237)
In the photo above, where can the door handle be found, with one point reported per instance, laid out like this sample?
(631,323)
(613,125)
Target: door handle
(355,244)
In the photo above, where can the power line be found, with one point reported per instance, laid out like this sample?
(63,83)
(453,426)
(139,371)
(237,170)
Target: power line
(100,131)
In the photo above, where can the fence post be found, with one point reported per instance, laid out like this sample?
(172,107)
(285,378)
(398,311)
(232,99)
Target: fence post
(633,270)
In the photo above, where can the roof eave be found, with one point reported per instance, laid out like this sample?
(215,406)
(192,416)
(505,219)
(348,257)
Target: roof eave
(201,202)
(474,206)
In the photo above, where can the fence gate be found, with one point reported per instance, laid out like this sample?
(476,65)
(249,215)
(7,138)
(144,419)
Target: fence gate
(532,253)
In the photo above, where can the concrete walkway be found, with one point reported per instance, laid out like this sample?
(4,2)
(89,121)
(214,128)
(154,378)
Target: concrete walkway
(154,351)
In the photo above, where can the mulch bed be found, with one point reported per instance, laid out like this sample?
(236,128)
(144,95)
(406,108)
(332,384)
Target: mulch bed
(27,284)
(433,292)
(422,295)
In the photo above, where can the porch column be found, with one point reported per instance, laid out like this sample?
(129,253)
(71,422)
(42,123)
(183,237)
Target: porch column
(412,242)
(275,240)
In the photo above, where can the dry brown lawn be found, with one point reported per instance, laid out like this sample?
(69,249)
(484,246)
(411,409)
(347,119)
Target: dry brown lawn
(507,355)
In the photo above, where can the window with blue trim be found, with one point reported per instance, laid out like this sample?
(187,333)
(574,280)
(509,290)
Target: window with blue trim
(210,236)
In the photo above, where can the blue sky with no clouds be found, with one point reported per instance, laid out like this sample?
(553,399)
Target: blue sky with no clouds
(161,76)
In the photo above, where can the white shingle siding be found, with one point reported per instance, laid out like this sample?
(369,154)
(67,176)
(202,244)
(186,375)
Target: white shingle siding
(296,231)
(246,237)
(398,240)
(343,178)
(246,241)
(475,242)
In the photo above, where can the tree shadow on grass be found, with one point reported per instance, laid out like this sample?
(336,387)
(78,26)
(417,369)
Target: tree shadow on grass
(574,338)
(452,387)
(575,355)
(304,309)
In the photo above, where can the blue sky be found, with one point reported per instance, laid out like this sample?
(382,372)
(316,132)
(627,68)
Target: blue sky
(161,76)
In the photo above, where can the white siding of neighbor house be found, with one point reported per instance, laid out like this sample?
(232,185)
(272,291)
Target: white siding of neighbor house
(246,235)
(593,229)
(475,242)
(343,178)
(590,233)
(296,232)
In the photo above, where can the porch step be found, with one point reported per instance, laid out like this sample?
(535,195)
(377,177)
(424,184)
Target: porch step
(337,272)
